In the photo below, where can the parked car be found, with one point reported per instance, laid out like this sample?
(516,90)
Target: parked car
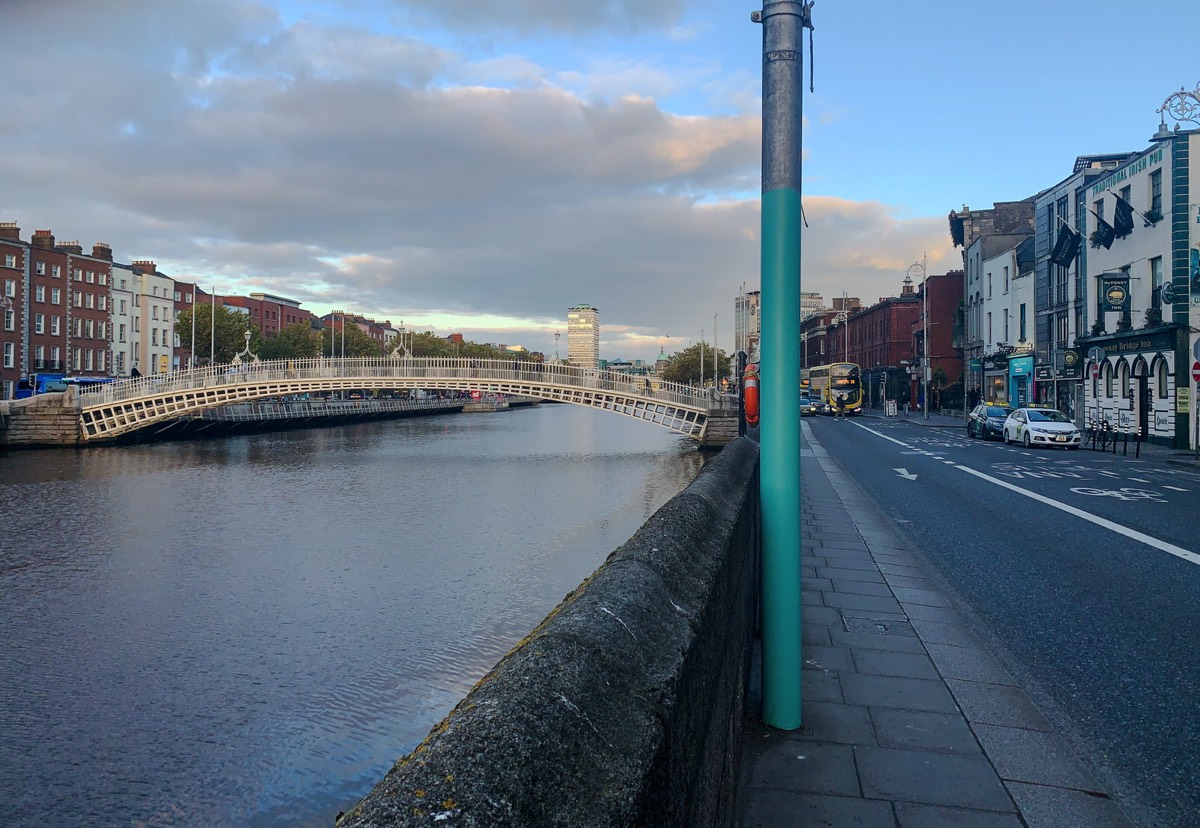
(1041,427)
(986,421)
(808,408)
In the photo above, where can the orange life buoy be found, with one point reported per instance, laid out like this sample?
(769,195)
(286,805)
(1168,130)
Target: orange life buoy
(750,395)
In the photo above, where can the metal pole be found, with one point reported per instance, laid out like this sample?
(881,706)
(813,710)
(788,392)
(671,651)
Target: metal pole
(702,359)
(714,350)
(783,22)
(925,364)
(192,354)
(212,335)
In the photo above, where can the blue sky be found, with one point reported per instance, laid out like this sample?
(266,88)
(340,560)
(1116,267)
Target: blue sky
(481,165)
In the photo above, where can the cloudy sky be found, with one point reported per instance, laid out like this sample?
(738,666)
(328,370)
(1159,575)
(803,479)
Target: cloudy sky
(481,165)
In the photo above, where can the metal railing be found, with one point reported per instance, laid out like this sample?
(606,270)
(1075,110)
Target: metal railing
(128,404)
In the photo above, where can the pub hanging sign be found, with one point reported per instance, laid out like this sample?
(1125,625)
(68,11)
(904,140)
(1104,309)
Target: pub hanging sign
(1114,292)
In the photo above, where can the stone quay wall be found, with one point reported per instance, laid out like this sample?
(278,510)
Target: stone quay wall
(625,706)
(42,421)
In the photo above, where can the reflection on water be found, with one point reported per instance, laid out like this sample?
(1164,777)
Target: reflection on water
(252,630)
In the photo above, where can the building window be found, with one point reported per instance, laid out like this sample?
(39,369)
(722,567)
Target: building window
(10,288)
(1022,323)
(77,328)
(1161,379)
(40,268)
(1108,380)
(78,275)
(89,329)
(154,336)
(10,260)
(1124,379)
(1006,327)
(91,277)
(102,330)
(56,271)
(989,329)
(90,299)
(87,359)
(10,355)
(1156,191)
(989,285)
(77,299)
(39,294)
(103,278)
(121,333)
(101,360)
(102,302)
(56,356)
(1061,330)
(39,323)
(77,359)
(1006,278)
(122,311)
(10,320)
(1156,282)
(55,325)
(55,296)
(1098,209)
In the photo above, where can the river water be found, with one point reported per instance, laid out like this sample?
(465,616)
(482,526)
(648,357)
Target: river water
(251,630)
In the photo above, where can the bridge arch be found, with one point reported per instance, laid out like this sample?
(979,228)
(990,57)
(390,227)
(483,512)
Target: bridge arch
(122,407)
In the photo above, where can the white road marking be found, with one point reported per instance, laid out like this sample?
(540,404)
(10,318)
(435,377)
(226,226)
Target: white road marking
(904,473)
(1138,480)
(1174,488)
(1133,534)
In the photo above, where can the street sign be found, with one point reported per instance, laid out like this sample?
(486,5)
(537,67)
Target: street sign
(1096,354)
(1196,349)
(1196,372)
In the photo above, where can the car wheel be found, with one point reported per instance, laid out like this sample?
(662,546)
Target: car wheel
(1004,436)
(1027,440)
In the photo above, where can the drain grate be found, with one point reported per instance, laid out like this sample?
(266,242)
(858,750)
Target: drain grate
(878,626)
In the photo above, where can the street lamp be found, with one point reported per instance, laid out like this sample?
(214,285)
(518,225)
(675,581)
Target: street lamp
(1183,105)
(557,334)
(919,268)
(841,319)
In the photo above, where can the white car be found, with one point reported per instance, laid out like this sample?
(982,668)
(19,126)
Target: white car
(1041,427)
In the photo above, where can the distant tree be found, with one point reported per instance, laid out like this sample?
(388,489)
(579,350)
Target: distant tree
(429,344)
(298,341)
(353,344)
(228,334)
(684,366)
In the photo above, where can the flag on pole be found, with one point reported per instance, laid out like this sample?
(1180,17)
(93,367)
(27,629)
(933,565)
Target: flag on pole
(1105,234)
(1122,217)
(1066,246)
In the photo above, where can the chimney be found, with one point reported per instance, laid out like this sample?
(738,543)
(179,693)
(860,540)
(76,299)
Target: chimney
(146,266)
(10,231)
(100,250)
(43,239)
(71,247)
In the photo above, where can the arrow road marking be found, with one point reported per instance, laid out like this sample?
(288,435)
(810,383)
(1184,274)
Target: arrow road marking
(904,473)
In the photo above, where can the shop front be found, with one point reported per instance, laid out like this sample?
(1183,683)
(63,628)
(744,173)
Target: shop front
(995,379)
(1058,385)
(1020,379)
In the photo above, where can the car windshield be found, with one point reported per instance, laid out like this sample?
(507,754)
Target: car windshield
(1036,416)
(996,411)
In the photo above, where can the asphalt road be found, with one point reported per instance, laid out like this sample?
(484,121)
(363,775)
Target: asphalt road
(1083,567)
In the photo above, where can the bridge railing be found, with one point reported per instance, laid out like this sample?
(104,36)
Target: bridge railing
(410,370)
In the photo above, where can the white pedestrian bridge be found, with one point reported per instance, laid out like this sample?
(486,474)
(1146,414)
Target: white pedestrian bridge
(124,406)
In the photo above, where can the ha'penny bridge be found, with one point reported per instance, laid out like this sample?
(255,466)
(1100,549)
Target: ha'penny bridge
(120,408)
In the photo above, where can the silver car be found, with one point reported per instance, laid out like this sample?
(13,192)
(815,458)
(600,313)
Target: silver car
(1041,427)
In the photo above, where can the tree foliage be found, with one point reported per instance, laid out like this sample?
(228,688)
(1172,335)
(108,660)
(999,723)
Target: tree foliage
(352,342)
(298,341)
(684,366)
(219,336)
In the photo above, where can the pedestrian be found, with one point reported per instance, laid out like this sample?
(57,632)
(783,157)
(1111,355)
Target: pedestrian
(841,408)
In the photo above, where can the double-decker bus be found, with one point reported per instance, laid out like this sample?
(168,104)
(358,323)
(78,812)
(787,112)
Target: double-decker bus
(838,379)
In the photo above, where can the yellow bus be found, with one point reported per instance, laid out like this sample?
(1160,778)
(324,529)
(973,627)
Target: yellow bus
(838,379)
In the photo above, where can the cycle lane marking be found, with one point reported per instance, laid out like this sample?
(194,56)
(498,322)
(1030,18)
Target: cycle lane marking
(1132,534)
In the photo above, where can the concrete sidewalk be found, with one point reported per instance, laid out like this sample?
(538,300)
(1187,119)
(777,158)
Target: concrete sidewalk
(909,719)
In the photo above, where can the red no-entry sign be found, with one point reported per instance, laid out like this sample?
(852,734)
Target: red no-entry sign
(1196,372)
